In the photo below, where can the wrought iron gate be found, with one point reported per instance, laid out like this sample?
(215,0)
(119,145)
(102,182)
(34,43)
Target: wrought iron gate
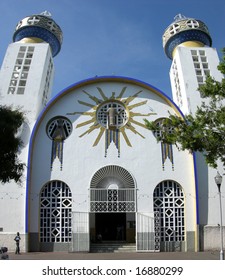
(80,232)
(147,232)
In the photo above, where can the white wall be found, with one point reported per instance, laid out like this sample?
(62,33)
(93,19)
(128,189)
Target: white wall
(81,160)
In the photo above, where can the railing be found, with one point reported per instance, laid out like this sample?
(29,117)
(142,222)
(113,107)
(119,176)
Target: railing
(148,232)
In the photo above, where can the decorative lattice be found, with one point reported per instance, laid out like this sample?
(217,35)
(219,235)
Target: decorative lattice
(55,212)
(112,190)
(157,230)
(59,127)
(112,174)
(169,203)
(119,113)
(112,200)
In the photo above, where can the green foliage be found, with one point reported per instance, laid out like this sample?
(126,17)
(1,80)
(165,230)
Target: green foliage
(10,166)
(203,132)
(221,66)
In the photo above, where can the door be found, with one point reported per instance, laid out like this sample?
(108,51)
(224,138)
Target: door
(111,226)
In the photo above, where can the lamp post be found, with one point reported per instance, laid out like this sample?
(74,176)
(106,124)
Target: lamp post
(218,179)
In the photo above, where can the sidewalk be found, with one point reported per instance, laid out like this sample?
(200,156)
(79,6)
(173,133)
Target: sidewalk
(208,255)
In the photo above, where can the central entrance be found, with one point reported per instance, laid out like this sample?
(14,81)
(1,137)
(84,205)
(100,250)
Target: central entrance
(118,227)
(112,205)
(111,226)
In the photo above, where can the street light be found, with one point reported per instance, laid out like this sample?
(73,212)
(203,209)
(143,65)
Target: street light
(218,179)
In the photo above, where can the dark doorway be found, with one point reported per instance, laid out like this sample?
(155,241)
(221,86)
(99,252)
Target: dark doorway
(111,226)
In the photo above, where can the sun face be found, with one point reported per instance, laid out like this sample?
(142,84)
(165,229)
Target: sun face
(112,116)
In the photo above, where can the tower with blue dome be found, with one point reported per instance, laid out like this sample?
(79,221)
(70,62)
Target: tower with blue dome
(187,32)
(28,68)
(39,28)
(188,43)
(26,80)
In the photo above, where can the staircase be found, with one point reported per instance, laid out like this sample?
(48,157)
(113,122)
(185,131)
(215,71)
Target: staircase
(113,247)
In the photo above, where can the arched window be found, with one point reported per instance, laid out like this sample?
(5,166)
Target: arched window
(169,203)
(55,212)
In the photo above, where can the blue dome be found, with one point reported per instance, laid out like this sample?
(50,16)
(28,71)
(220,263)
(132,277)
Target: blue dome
(182,30)
(42,27)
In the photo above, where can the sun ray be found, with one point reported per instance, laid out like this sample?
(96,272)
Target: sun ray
(131,98)
(91,114)
(102,94)
(95,99)
(137,123)
(122,130)
(102,130)
(113,95)
(132,114)
(137,104)
(122,93)
(93,127)
(86,122)
(130,127)
(86,104)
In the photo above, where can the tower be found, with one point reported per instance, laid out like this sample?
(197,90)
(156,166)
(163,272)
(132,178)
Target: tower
(26,79)
(27,71)
(187,42)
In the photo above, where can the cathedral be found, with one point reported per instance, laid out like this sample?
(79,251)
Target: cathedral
(94,173)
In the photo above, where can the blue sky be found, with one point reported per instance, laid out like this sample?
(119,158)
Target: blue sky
(113,37)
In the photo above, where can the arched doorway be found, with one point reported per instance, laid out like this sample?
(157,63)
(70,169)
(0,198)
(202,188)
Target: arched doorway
(112,205)
(169,203)
(55,228)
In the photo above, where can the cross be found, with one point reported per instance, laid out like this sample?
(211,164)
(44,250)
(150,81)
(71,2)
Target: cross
(33,20)
(192,23)
(19,24)
(51,26)
(174,28)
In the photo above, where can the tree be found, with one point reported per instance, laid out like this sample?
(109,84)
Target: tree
(203,132)
(10,166)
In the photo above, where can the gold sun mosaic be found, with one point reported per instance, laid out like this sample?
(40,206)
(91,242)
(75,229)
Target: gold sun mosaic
(112,116)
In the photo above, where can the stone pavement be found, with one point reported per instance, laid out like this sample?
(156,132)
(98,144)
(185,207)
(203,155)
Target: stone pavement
(208,255)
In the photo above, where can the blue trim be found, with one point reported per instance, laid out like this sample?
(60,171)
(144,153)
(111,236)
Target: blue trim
(58,96)
(196,188)
(184,36)
(39,32)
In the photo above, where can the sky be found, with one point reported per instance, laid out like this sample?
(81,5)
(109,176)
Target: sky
(113,37)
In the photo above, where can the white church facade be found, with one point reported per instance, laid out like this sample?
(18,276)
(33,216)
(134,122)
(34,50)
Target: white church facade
(93,171)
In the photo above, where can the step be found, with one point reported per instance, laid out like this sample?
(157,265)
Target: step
(113,247)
